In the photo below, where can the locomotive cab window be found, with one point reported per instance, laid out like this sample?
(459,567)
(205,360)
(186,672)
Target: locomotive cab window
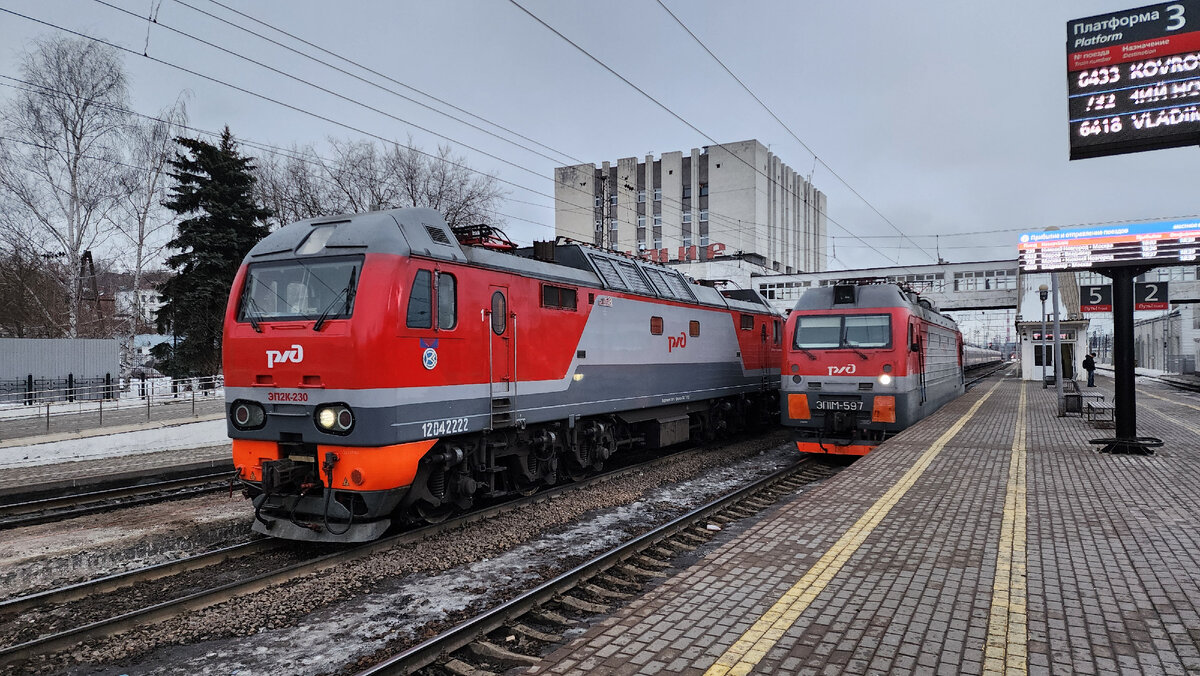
(300,290)
(822,331)
(447,301)
(421,301)
(869,331)
(843,331)
(558,298)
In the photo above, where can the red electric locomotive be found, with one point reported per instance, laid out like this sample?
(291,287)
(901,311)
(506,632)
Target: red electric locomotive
(379,369)
(864,361)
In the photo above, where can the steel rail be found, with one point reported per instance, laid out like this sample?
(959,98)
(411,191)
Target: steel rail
(44,510)
(462,635)
(211,597)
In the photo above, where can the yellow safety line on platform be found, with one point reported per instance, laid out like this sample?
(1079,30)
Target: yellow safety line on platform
(1007,650)
(753,645)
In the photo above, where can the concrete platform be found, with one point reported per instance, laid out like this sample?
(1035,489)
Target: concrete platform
(989,538)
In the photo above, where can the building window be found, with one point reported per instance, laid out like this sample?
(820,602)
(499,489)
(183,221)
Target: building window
(703,215)
(641,221)
(703,240)
(658,194)
(657,219)
(657,242)
(613,199)
(599,202)
(656,326)
(687,217)
(704,188)
(641,196)
(687,191)
(687,240)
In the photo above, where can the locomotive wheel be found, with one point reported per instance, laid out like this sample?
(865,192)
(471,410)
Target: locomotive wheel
(433,515)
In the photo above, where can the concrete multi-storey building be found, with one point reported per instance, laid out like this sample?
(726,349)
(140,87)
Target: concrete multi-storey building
(731,199)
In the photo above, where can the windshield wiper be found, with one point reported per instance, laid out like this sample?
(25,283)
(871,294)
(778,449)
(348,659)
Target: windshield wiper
(858,352)
(810,354)
(248,308)
(347,293)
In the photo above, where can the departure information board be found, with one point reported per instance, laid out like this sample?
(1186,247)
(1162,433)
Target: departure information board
(1106,246)
(1133,79)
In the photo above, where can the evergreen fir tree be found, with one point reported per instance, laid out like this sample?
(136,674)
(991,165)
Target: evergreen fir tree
(222,223)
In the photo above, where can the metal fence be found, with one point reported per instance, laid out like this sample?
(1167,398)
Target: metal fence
(34,397)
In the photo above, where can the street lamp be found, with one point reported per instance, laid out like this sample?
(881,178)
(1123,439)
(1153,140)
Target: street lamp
(1042,293)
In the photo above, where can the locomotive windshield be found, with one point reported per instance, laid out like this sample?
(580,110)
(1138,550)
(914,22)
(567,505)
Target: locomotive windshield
(815,332)
(300,289)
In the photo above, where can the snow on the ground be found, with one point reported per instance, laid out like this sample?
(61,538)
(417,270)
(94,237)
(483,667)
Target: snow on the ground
(175,437)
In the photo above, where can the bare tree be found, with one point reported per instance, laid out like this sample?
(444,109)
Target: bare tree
(144,224)
(365,176)
(59,175)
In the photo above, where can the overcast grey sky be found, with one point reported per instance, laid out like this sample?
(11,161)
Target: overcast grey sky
(949,117)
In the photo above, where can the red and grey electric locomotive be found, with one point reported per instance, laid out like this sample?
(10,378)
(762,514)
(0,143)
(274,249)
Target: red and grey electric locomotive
(863,362)
(384,367)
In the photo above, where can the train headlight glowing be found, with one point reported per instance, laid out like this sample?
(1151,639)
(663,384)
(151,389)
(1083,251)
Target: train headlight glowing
(247,415)
(885,379)
(334,418)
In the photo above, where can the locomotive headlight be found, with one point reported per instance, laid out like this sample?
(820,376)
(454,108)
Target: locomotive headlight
(247,415)
(885,379)
(334,418)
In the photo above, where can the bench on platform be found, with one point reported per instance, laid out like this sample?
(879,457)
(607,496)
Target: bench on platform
(1101,413)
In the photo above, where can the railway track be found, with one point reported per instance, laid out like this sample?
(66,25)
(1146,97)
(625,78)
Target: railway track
(985,372)
(87,592)
(492,641)
(49,509)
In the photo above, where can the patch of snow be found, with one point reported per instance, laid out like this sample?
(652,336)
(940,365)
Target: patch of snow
(175,437)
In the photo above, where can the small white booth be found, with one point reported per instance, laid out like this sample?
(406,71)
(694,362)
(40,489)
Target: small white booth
(1072,342)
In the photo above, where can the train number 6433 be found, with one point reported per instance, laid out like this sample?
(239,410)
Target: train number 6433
(438,428)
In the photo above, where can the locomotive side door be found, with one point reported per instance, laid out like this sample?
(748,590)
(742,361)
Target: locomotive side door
(500,354)
(501,327)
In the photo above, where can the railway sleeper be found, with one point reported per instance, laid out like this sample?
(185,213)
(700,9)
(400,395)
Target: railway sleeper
(459,668)
(532,634)
(617,582)
(580,605)
(643,561)
(487,650)
(550,618)
(602,593)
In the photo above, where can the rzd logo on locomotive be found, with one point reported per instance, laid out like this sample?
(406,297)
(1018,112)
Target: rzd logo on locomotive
(846,370)
(679,341)
(294,355)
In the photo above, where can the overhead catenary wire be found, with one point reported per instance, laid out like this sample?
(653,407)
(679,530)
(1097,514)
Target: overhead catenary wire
(305,111)
(789,129)
(664,107)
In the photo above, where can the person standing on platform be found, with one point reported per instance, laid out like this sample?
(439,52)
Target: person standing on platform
(1089,365)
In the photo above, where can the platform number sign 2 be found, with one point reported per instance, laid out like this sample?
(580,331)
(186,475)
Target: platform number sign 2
(1150,296)
(1095,298)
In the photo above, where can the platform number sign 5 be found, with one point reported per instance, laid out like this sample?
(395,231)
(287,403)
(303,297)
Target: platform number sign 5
(1150,296)
(1095,298)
